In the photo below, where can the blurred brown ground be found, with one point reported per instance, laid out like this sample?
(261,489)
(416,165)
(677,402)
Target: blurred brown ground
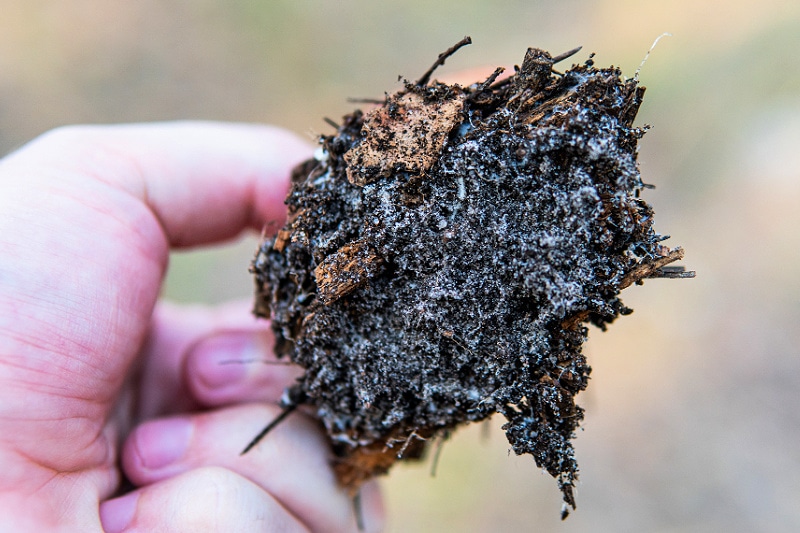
(693,413)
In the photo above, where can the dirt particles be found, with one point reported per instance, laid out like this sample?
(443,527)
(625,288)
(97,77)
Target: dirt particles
(444,253)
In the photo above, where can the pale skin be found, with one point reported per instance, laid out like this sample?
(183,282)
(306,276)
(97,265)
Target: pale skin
(97,378)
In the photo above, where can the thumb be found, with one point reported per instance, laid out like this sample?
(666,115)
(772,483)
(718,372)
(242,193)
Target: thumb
(204,499)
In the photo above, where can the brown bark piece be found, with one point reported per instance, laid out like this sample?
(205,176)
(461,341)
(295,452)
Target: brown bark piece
(405,135)
(376,458)
(281,239)
(344,271)
(363,464)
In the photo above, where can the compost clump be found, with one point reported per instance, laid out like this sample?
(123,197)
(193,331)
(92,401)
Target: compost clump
(444,253)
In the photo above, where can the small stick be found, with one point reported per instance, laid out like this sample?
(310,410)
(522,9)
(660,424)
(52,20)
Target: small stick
(565,55)
(441,59)
(407,442)
(438,452)
(490,80)
(673,272)
(358,510)
(651,269)
(365,101)
(502,83)
(331,123)
(485,431)
(289,409)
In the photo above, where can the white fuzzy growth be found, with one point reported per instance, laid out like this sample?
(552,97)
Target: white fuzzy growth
(636,74)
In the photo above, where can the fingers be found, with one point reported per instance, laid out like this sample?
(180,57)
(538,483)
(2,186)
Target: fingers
(237,366)
(291,463)
(209,356)
(87,216)
(205,499)
(203,181)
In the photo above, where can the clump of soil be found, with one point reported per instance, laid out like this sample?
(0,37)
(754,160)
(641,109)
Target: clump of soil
(444,253)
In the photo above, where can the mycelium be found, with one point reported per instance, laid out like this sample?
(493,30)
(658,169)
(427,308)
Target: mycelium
(444,253)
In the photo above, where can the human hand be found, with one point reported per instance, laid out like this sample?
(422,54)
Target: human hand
(87,218)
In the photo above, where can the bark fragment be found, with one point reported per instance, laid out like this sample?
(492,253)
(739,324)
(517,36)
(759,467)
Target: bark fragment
(406,134)
(344,271)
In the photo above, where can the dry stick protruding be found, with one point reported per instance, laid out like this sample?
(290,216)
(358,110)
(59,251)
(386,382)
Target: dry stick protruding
(567,54)
(289,409)
(441,59)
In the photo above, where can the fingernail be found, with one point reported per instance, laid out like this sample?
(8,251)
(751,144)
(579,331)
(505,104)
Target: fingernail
(117,514)
(223,359)
(162,442)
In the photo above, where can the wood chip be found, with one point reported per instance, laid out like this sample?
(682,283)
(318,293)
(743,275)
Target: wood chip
(405,135)
(344,271)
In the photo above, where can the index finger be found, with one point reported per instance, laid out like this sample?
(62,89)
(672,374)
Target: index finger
(203,181)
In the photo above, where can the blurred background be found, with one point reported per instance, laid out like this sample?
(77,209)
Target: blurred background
(693,412)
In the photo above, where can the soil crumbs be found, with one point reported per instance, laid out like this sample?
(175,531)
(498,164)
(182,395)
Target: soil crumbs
(445,252)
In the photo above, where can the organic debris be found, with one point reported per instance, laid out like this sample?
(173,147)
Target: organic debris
(444,253)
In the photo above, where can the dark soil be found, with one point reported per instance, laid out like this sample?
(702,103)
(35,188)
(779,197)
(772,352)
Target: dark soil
(445,252)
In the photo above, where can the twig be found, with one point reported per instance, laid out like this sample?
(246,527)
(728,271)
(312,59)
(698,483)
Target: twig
(673,272)
(438,452)
(365,101)
(441,59)
(565,55)
(502,83)
(332,123)
(289,409)
(655,269)
(358,510)
(412,435)
(490,80)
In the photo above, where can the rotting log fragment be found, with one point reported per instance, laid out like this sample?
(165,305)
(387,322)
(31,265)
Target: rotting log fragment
(445,252)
